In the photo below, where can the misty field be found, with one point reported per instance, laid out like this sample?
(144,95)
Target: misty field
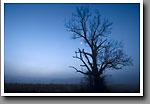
(43,88)
(64,88)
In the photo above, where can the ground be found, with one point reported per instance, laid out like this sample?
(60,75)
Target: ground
(64,88)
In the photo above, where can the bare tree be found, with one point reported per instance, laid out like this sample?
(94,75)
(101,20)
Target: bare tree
(104,53)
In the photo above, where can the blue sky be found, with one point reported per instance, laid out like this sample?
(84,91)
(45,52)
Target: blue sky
(37,45)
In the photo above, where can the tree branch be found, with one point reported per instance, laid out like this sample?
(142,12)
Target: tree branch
(81,58)
(86,73)
(87,59)
(98,24)
(101,44)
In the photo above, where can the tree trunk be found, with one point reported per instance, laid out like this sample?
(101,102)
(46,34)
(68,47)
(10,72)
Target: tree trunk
(98,84)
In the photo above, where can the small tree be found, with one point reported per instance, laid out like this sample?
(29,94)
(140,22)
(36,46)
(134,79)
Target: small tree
(104,53)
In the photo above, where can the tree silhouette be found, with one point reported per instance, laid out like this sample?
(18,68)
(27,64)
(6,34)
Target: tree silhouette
(103,53)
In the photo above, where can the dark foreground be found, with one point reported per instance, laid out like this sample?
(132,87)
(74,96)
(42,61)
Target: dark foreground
(65,88)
